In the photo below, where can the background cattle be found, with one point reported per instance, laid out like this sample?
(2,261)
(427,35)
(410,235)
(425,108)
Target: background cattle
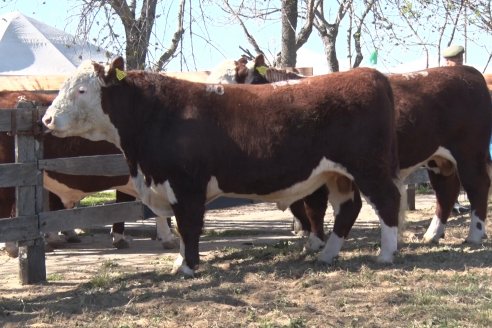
(187,143)
(444,119)
(67,190)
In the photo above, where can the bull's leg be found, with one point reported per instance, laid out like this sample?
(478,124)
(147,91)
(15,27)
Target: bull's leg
(163,229)
(164,233)
(383,194)
(346,207)
(315,206)
(299,212)
(118,228)
(476,182)
(52,238)
(189,210)
(447,189)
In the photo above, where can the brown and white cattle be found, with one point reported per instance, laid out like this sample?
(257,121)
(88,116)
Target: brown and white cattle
(187,143)
(67,190)
(444,122)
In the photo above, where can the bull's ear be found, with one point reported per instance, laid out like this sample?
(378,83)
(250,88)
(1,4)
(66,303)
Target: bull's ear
(260,60)
(118,63)
(99,70)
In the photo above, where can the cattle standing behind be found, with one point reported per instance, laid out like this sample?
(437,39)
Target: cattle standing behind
(187,143)
(67,190)
(444,118)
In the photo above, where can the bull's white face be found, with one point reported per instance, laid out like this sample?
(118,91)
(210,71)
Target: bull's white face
(225,73)
(77,110)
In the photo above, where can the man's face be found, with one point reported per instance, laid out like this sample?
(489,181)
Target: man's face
(455,61)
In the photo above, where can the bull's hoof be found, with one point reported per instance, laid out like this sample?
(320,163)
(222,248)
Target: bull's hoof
(121,244)
(430,240)
(313,244)
(472,241)
(181,266)
(171,244)
(326,259)
(385,258)
(73,239)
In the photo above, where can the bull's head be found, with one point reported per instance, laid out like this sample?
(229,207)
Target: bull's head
(77,110)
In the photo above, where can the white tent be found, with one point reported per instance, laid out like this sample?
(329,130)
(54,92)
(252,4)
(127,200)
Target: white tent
(29,47)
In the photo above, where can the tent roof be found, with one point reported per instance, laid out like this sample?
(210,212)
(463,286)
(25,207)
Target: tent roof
(29,47)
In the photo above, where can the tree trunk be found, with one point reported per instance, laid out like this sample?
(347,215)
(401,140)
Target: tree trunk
(329,38)
(289,25)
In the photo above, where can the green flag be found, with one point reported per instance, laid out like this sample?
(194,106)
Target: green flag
(373,59)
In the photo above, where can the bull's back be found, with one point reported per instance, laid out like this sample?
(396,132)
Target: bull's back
(445,106)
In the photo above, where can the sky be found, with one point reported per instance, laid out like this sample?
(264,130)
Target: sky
(227,37)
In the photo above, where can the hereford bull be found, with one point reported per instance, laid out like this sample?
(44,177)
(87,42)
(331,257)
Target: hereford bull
(444,122)
(67,190)
(187,143)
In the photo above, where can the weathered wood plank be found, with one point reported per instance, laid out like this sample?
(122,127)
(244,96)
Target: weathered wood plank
(32,260)
(90,216)
(106,165)
(17,174)
(18,228)
(23,120)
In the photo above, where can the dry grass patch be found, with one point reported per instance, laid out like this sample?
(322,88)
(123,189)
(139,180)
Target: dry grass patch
(276,285)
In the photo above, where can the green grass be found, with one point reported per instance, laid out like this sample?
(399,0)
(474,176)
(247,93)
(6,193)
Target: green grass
(54,277)
(99,198)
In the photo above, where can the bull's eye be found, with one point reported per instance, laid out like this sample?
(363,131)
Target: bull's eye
(81,90)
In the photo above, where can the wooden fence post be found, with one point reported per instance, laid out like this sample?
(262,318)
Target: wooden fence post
(29,202)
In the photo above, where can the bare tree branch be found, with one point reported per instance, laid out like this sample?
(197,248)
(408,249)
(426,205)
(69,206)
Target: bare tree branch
(167,55)
(357,34)
(250,38)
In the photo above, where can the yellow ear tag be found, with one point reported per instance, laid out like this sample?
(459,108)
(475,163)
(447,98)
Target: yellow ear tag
(120,75)
(262,70)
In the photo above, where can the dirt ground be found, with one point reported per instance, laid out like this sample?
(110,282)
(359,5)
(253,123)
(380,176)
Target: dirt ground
(253,274)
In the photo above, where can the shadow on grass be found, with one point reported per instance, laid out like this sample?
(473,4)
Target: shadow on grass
(231,266)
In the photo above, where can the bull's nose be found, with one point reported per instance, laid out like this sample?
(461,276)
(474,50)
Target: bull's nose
(47,120)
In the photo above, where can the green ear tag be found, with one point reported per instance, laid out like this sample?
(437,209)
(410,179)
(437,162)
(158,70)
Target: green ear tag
(262,70)
(120,75)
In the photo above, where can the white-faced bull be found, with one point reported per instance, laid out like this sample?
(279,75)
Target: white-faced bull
(187,143)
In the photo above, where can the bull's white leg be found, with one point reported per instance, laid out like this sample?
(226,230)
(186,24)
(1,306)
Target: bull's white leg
(297,228)
(164,233)
(435,231)
(71,236)
(119,240)
(332,248)
(180,264)
(313,243)
(477,230)
(389,243)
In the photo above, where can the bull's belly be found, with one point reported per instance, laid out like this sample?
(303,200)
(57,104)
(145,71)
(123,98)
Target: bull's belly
(160,197)
(70,196)
(444,160)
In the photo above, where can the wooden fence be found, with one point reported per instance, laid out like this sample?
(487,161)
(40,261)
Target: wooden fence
(26,174)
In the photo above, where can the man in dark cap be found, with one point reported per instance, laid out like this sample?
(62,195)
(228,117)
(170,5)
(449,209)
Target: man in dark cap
(454,57)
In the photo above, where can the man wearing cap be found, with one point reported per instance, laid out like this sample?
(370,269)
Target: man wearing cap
(454,55)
